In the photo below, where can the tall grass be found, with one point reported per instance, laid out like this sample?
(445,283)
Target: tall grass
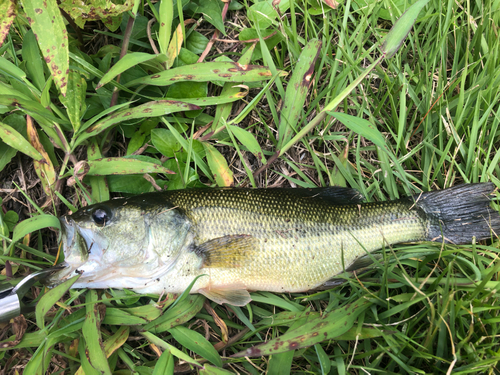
(434,106)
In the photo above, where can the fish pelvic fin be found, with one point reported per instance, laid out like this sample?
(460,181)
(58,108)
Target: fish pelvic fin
(234,294)
(459,213)
(226,252)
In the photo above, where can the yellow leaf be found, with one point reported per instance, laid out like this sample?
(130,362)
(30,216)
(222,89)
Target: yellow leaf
(43,168)
(218,165)
(111,344)
(175,46)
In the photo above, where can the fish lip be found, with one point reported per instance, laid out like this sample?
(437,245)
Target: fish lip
(67,231)
(75,252)
(83,251)
(71,239)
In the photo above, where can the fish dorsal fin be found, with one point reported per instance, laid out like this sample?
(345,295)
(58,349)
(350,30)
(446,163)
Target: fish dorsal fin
(226,252)
(330,195)
(234,294)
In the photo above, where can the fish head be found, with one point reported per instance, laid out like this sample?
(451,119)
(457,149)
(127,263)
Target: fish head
(120,243)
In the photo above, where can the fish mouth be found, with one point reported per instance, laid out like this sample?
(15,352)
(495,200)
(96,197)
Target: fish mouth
(82,253)
(85,256)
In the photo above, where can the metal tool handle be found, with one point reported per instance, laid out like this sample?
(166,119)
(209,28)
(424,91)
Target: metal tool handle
(10,305)
(10,297)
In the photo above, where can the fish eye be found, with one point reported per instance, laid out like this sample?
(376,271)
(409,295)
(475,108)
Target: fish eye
(100,217)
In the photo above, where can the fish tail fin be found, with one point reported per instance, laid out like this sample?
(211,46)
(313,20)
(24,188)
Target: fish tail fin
(459,213)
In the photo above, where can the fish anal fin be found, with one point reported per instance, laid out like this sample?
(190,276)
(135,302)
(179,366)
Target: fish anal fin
(329,284)
(235,294)
(226,252)
(360,265)
(363,262)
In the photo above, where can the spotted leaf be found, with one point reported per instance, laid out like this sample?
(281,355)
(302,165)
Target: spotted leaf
(8,12)
(48,26)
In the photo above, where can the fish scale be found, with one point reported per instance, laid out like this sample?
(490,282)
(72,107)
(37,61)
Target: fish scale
(291,232)
(278,240)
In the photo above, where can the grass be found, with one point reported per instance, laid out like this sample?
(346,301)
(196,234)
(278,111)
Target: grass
(425,119)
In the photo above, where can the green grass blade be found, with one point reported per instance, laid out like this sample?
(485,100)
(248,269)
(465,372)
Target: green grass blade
(314,331)
(47,24)
(177,314)
(206,72)
(197,343)
(33,224)
(296,91)
(281,363)
(165,364)
(15,140)
(151,109)
(92,334)
(162,344)
(166,16)
(401,29)
(128,61)
(50,298)
(109,166)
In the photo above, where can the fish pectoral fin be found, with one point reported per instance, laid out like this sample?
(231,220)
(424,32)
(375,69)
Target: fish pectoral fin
(226,252)
(235,295)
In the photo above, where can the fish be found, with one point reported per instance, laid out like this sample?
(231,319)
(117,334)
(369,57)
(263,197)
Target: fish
(231,241)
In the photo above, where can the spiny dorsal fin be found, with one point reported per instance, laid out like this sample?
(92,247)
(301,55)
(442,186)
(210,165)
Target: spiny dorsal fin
(330,195)
(235,295)
(226,252)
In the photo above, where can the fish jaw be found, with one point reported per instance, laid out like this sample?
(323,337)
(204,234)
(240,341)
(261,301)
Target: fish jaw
(75,252)
(83,251)
(103,262)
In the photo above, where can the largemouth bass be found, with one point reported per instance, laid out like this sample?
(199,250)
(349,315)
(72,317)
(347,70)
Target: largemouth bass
(278,240)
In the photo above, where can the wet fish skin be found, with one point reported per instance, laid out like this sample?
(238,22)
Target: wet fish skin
(281,240)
